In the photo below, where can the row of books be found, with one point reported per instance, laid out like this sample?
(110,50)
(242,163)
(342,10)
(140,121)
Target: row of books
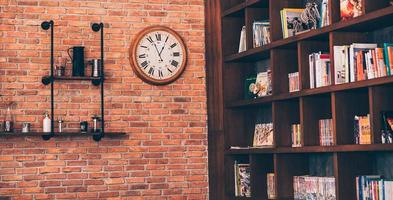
(362,61)
(373,187)
(294,82)
(242,180)
(314,188)
(261,33)
(296,134)
(326,132)
(362,129)
(319,64)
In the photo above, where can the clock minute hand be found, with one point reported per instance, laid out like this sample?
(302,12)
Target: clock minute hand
(163,47)
(158,51)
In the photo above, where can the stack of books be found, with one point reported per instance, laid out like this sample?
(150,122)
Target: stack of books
(261,33)
(271,186)
(242,180)
(326,132)
(263,135)
(362,129)
(320,75)
(361,61)
(294,82)
(309,187)
(296,135)
(373,187)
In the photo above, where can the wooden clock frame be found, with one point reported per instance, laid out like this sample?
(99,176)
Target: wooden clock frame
(133,57)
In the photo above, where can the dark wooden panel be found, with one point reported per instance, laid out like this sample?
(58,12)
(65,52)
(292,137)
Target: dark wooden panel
(285,113)
(261,165)
(380,100)
(286,166)
(231,29)
(283,62)
(312,109)
(254,14)
(346,105)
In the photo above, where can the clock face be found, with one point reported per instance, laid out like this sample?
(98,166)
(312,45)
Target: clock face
(159,55)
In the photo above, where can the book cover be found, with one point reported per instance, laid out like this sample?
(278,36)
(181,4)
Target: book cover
(262,83)
(263,135)
(387,127)
(350,9)
(340,68)
(389,64)
(381,62)
(291,23)
(271,188)
(244,182)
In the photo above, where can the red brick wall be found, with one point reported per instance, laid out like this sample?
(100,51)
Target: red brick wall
(163,156)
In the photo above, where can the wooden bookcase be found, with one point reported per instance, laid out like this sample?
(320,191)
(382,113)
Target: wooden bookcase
(232,118)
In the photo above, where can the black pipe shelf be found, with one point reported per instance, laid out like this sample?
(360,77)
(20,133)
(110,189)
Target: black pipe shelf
(46,80)
(96,136)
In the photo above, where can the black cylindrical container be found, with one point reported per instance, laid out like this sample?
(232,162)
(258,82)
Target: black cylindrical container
(78,60)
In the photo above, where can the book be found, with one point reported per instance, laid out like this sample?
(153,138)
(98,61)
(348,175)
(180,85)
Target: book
(242,180)
(290,21)
(362,129)
(263,135)
(387,127)
(350,9)
(271,186)
(341,70)
(249,87)
(325,14)
(388,54)
(296,135)
(326,132)
(243,40)
(261,33)
(294,82)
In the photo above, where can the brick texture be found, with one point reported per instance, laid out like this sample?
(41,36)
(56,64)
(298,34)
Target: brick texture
(163,155)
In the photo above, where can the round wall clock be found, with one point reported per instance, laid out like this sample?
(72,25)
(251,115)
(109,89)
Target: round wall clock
(158,55)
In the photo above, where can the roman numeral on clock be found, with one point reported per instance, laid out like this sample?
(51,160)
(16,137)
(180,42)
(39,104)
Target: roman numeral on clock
(160,74)
(142,56)
(158,36)
(145,64)
(144,46)
(177,54)
(174,63)
(169,70)
(150,39)
(173,45)
(151,71)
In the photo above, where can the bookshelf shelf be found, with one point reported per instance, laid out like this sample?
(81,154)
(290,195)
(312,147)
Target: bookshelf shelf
(311,92)
(311,149)
(233,117)
(372,21)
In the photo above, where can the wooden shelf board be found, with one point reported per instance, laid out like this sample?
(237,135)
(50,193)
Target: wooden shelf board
(309,92)
(237,10)
(368,22)
(71,78)
(2,134)
(312,149)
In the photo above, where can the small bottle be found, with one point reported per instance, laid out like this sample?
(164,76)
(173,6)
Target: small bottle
(46,124)
(8,123)
(60,125)
(96,119)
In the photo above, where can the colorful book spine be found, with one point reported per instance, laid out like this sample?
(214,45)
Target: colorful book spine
(296,135)
(326,132)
